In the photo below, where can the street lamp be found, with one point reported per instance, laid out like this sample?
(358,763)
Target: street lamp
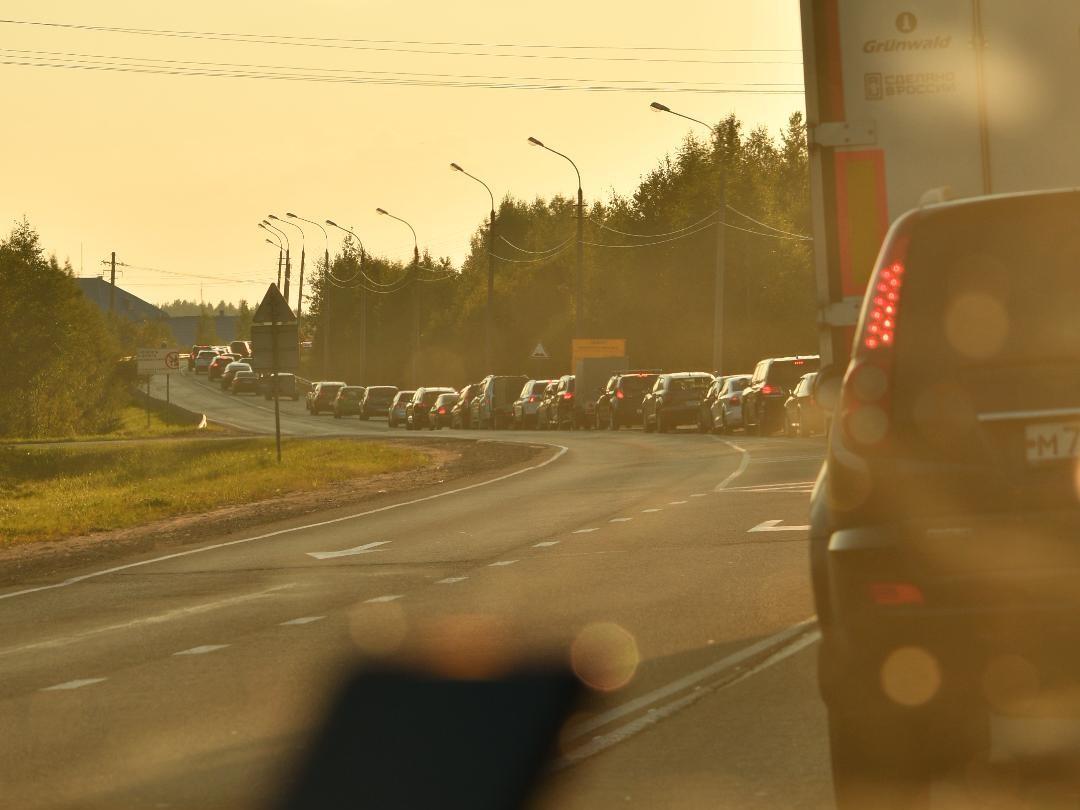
(579,308)
(326,296)
(288,264)
(281,248)
(489,318)
(363,301)
(721,233)
(415,293)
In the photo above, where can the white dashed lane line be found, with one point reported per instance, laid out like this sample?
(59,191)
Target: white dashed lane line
(646,511)
(584,531)
(451,580)
(546,544)
(620,520)
(302,620)
(675,503)
(68,685)
(202,649)
(501,563)
(699,495)
(387,598)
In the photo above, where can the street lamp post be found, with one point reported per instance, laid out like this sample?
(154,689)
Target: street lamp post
(326,296)
(489,318)
(281,251)
(288,266)
(415,294)
(579,308)
(266,223)
(363,301)
(720,264)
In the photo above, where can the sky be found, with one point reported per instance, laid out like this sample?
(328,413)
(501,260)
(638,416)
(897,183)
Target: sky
(173,172)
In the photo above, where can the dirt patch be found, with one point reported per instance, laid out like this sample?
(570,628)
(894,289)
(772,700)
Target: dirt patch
(452,464)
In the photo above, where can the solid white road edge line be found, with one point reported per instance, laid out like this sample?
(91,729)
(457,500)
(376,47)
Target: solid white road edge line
(74,580)
(63,687)
(743,464)
(654,716)
(692,679)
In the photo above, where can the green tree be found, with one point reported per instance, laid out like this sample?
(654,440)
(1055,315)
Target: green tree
(245,314)
(205,330)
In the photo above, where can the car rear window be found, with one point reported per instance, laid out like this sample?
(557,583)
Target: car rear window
(538,388)
(685,384)
(738,385)
(786,373)
(637,384)
(381,392)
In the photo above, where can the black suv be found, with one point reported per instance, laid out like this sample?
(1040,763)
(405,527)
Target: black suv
(945,521)
(620,404)
(773,381)
(674,400)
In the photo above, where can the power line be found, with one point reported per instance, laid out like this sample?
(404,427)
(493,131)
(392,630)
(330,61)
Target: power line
(767,225)
(704,227)
(537,252)
(654,235)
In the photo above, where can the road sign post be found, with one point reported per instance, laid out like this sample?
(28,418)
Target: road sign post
(156,361)
(275,346)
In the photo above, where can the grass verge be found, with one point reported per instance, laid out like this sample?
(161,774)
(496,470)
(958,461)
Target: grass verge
(131,424)
(55,491)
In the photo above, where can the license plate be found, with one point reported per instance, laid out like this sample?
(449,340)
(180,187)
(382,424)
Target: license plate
(1050,441)
(693,403)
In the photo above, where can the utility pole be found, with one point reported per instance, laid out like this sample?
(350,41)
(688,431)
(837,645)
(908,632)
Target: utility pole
(288,273)
(326,313)
(579,276)
(718,276)
(112,284)
(363,322)
(489,316)
(416,316)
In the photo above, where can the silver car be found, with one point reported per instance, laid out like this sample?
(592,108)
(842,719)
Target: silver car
(528,402)
(727,409)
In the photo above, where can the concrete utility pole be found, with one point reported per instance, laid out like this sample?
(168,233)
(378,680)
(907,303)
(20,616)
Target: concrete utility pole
(112,284)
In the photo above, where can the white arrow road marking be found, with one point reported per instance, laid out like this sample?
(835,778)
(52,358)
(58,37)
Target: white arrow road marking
(367,548)
(72,684)
(202,650)
(774,526)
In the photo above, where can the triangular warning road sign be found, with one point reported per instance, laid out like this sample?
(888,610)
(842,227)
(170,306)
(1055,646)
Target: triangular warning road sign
(539,353)
(274,308)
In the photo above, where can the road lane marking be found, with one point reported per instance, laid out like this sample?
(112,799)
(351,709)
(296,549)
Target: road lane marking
(675,503)
(451,580)
(501,563)
(585,531)
(367,548)
(388,598)
(562,450)
(67,685)
(302,620)
(202,649)
(744,462)
(179,613)
(620,520)
(651,510)
(774,526)
(785,459)
(699,495)
(767,487)
(655,715)
(546,544)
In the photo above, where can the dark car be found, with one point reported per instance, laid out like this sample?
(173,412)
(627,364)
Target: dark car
(559,412)
(217,366)
(376,400)
(546,405)
(347,401)
(944,523)
(439,417)
(528,403)
(461,413)
(395,413)
(674,400)
(803,416)
(241,348)
(418,408)
(763,400)
(620,404)
(321,397)
(231,367)
(492,408)
(245,382)
(284,384)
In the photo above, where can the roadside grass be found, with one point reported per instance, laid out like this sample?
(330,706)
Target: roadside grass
(131,424)
(55,491)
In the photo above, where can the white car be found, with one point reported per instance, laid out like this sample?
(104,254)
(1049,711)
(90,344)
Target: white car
(727,410)
(203,360)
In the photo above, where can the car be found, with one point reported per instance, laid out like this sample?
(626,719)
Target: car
(620,404)
(674,400)
(763,400)
(440,411)
(726,408)
(560,411)
(376,400)
(204,358)
(417,409)
(244,381)
(944,521)
(347,401)
(461,413)
(546,406)
(285,384)
(396,410)
(803,415)
(241,348)
(230,368)
(218,365)
(527,403)
(321,397)
(492,407)
(195,353)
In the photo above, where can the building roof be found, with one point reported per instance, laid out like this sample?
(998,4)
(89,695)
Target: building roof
(126,305)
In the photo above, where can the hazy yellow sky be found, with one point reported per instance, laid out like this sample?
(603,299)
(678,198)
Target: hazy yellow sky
(174,172)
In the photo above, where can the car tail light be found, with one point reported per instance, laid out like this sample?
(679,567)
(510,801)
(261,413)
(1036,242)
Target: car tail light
(733,400)
(619,394)
(770,389)
(442,411)
(568,395)
(893,594)
(864,407)
(532,398)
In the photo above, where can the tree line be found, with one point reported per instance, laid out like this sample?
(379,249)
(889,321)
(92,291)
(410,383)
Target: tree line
(649,264)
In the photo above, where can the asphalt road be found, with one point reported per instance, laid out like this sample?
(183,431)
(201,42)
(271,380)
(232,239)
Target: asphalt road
(191,679)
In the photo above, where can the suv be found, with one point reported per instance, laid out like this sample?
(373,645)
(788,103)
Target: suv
(674,400)
(559,410)
(347,401)
(321,396)
(763,400)
(376,400)
(620,404)
(418,408)
(461,413)
(944,522)
(284,385)
(493,405)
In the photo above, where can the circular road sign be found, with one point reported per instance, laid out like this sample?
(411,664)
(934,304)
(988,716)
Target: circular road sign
(172,360)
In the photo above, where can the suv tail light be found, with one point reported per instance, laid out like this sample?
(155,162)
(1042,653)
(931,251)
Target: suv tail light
(442,410)
(769,389)
(733,399)
(568,395)
(619,394)
(864,408)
